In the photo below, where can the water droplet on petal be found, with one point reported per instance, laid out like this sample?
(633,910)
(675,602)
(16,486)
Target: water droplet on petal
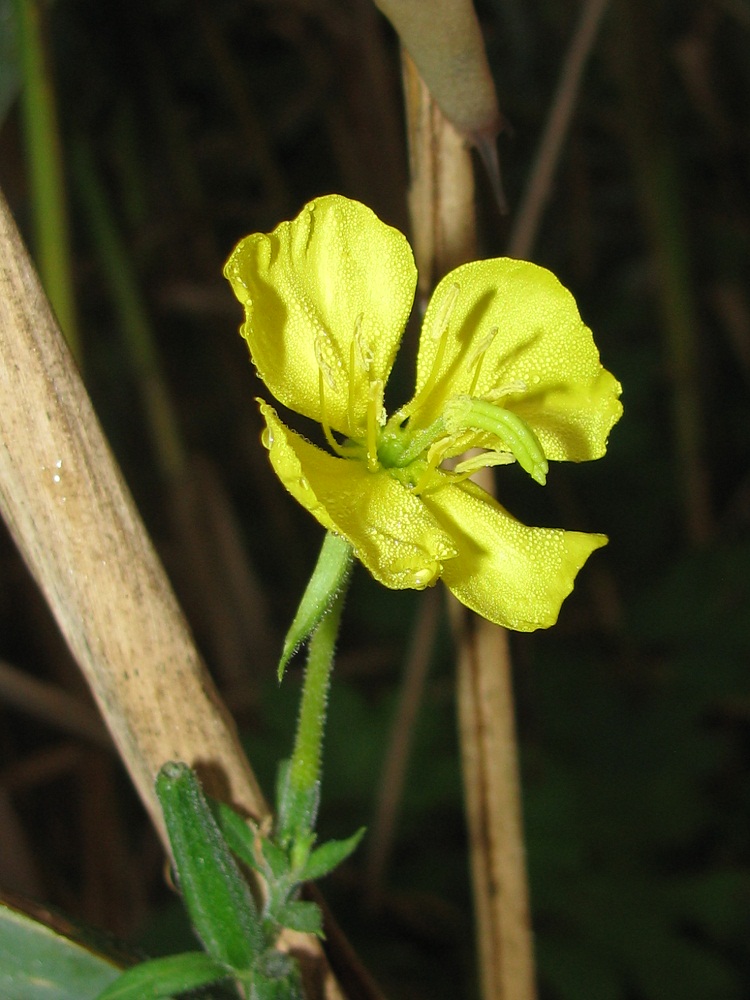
(424,577)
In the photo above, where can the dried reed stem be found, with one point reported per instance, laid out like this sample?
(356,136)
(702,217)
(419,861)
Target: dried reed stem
(443,221)
(76,526)
(539,185)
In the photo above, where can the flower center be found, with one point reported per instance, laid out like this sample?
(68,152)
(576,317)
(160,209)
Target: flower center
(508,435)
(411,452)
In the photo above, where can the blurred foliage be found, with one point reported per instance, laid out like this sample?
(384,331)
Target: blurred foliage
(206,121)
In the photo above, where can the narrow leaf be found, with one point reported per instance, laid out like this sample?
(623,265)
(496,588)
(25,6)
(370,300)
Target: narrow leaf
(301,916)
(238,833)
(216,896)
(276,858)
(329,855)
(163,977)
(43,957)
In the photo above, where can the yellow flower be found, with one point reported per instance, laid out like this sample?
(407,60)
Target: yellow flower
(505,365)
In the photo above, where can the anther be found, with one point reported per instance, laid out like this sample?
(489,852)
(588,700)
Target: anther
(335,447)
(446,309)
(487,459)
(511,389)
(374,405)
(328,358)
(439,334)
(477,357)
(364,352)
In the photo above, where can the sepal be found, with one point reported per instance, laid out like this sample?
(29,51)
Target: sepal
(328,578)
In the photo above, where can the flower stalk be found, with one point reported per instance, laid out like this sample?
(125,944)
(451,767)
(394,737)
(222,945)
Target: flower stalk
(305,765)
(318,620)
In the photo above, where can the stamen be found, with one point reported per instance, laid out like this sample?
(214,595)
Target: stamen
(364,352)
(351,393)
(511,389)
(486,460)
(335,447)
(478,357)
(374,404)
(328,358)
(439,332)
(446,310)
(463,412)
(427,479)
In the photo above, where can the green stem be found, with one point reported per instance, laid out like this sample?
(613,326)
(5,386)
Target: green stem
(304,771)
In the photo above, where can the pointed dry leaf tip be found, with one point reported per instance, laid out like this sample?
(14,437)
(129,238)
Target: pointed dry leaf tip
(445,41)
(486,144)
(505,366)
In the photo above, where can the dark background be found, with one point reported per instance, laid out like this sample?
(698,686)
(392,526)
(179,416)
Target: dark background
(186,125)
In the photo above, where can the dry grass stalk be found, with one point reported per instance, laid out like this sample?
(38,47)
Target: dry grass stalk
(443,221)
(76,525)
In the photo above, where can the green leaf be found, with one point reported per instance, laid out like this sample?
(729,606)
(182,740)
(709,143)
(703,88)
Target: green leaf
(38,962)
(326,857)
(216,895)
(276,858)
(329,576)
(301,916)
(239,833)
(161,978)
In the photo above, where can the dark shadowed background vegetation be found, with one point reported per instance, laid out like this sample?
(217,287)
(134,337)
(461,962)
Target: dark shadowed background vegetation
(186,124)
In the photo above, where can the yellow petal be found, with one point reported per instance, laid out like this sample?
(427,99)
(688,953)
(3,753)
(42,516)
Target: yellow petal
(507,323)
(326,294)
(511,574)
(390,529)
